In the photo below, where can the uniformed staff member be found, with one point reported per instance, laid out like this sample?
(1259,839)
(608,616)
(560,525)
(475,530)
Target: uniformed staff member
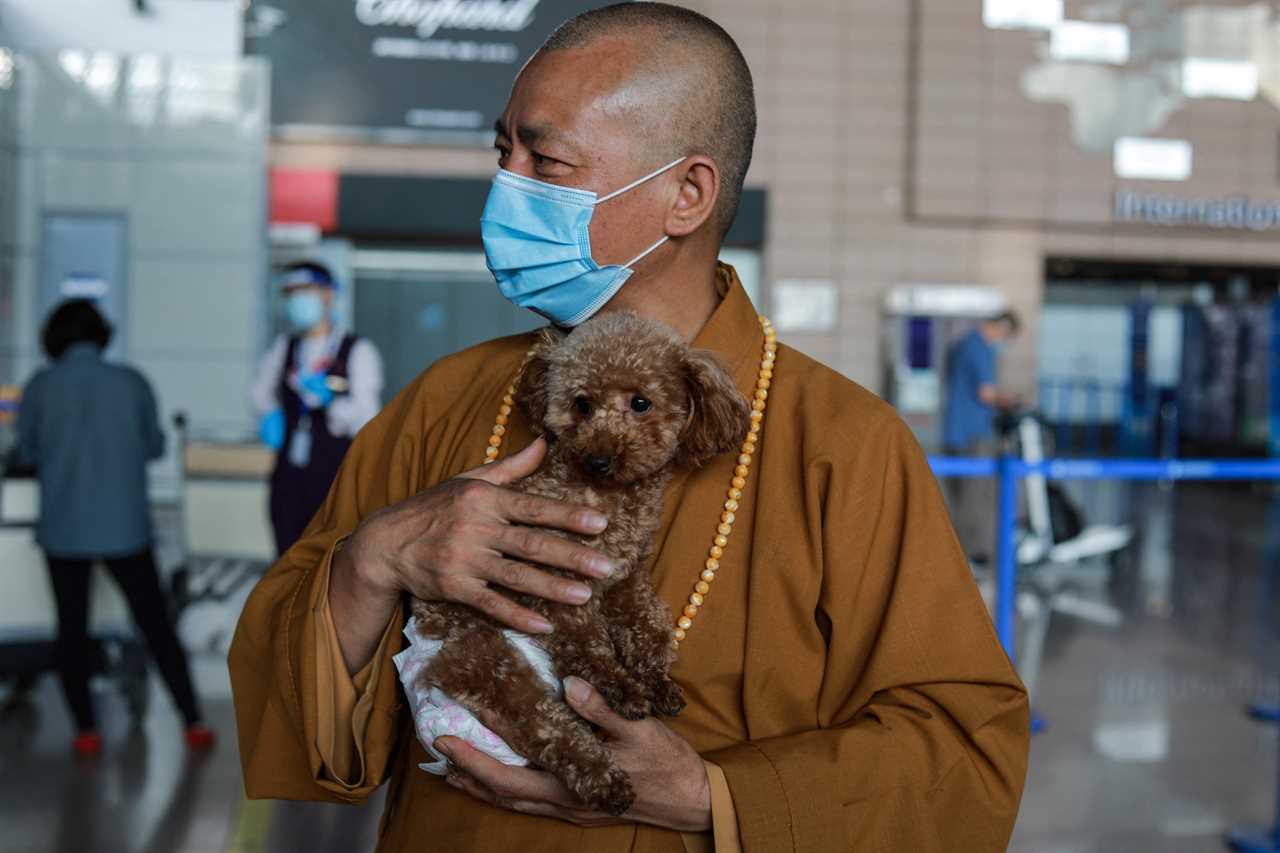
(315,388)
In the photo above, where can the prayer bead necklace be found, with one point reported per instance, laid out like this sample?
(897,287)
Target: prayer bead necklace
(736,486)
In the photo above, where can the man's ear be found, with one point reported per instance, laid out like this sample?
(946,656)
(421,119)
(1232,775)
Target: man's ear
(696,195)
(531,390)
(719,416)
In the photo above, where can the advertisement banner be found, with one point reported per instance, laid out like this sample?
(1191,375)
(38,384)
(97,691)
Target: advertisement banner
(398,71)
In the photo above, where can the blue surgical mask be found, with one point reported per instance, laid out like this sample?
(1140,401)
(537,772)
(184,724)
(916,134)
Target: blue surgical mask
(537,244)
(304,310)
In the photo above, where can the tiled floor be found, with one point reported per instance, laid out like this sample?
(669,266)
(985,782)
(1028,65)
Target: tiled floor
(1146,748)
(146,793)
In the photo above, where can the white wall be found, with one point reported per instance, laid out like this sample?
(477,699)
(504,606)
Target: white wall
(8,214)
(178,148)
(196,28)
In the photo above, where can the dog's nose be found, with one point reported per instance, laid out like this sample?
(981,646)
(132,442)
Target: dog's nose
(599,464)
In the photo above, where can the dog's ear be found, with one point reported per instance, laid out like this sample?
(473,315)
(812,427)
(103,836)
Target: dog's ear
(531,395)
(719,416)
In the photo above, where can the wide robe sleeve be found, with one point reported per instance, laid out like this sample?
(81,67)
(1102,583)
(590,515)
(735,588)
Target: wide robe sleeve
(920,734)
(273,659)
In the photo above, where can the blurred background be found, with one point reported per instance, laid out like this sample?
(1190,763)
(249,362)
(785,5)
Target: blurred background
(1107,170)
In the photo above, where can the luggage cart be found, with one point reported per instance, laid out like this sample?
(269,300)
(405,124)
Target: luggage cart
(224,536)
(28,614)
(1059,563)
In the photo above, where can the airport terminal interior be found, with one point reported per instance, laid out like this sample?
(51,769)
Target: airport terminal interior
(1068,210)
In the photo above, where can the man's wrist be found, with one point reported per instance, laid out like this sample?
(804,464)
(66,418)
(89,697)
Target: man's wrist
(354,564)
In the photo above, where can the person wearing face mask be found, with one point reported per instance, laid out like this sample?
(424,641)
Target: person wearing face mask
(314,390)
(972,398)
(845,688)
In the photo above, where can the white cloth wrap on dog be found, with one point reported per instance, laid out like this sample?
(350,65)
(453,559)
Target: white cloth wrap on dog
(436,714)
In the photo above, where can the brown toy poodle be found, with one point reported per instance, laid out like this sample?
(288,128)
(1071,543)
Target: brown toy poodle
(622,401)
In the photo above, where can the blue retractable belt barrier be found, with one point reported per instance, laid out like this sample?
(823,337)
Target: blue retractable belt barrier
(1152,469)
(1008,470)
(962,466)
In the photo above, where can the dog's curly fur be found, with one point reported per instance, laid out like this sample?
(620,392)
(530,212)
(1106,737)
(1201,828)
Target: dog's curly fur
(622,401)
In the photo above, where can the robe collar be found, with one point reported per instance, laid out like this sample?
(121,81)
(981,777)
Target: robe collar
(733,331)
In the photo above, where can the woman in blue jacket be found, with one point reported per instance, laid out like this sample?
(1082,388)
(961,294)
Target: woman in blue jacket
(89,428)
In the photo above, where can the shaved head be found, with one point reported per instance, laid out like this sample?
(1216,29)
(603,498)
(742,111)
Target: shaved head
(688,90)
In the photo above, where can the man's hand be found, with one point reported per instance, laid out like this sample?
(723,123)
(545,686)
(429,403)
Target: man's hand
(457,542)
(669,778)
(1011,402)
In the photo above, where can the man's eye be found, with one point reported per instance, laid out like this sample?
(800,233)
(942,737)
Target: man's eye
(640,405)
(582,406)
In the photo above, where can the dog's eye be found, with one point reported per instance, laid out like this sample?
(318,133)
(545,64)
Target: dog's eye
(640,405)
(583,406)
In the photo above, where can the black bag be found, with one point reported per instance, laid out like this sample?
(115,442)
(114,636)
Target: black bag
(1064,518)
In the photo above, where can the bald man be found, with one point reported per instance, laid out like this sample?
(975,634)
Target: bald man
(845,688)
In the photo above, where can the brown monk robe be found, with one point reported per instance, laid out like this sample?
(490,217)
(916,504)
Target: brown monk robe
(843,672)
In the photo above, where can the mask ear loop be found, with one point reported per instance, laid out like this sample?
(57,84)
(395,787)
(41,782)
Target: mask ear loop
(655,173)
(640,257)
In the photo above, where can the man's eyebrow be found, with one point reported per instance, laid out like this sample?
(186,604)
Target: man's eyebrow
(530,134)
(533,134)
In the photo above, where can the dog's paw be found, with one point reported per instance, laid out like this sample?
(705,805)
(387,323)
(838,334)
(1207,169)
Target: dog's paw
(626,700)
(667,698)
(609,792)
(634,709)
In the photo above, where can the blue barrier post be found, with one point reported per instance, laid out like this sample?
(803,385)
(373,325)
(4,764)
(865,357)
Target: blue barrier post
(1250,840)
(1273,368)
(1169,424)
(1006,473)
(1092,418)
(1260,840)
(1065,424)
(1006,558)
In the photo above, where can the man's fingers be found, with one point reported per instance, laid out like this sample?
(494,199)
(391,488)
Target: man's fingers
(592,707)
(499,607)
(522,577)
(465,783)
(545,512)
(547,549)
(517,465)
(506,782)
(575,816)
